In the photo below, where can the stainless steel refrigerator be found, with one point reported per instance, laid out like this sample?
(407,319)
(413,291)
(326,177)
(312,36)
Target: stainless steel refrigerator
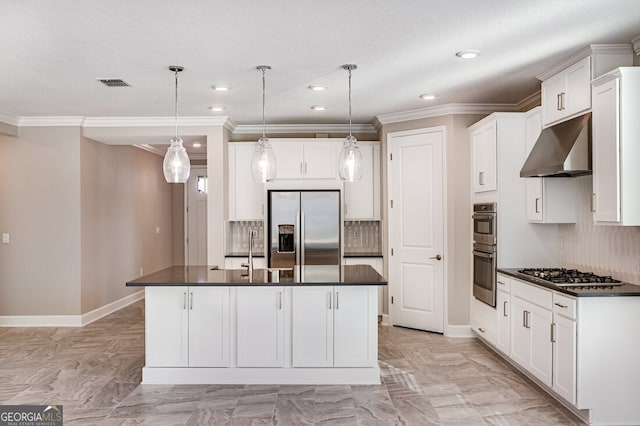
(304,228)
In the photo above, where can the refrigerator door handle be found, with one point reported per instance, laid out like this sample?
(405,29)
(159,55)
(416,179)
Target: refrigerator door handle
(302,240)
(297,242)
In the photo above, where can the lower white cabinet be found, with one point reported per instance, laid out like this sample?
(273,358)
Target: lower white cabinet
(187,326)
(484,321)
(376,263)
(334,326)
(260,327)
(564,357)
(503,306)
(531,345)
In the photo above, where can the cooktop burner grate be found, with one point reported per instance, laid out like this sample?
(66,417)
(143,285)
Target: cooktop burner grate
(571,277)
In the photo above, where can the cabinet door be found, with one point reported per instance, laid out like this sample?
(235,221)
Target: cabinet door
(362,198)
(520,334)
(208,326)
(564,358)
(606,153)
(290,159)
(484,158)
(245,195)
(503,303)
(533,128)
(541,361)
(312,326)
(578,81)
(320,160)
(260,327)
(553,91)
(167,327)
(356,326)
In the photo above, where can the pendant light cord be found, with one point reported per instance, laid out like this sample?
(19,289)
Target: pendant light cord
(350,104)
(264,125)
(176,105)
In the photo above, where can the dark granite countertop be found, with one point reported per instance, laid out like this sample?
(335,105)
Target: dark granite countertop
(625,289)
(243,254)
(312,275)
(364,254)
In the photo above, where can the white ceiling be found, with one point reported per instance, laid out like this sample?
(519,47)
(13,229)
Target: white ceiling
(52,52)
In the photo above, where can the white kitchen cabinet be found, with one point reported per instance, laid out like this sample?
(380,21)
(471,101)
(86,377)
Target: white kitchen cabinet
(305,159)
(616,153)
(362,198)
(332,326)
(246,197)
(484,321)
(566,88)
(483,157)
(549,200)
(564,357)
(376,263)
(187,326)
(503,307)
(531,319)
(260,325)
(236,262)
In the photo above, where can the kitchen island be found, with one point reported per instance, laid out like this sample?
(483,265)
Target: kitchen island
(306,325)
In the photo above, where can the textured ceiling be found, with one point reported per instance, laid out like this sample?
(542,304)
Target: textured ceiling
(52,52)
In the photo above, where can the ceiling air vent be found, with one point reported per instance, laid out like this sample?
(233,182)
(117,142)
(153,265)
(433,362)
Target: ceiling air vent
(114,82)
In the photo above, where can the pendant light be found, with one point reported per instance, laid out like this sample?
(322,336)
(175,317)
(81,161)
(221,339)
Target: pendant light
(350,159)
(263,165)
(176,165)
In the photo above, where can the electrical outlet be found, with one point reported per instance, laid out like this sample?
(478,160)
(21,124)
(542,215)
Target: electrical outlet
(356,234)
(157,229)
(141,272)
(254,233)
(6,238)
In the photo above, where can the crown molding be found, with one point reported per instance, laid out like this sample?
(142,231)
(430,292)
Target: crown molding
(636,45)
(9,119)
(448,109)
(152,121)
(50,121)
(581,54)
(303,128)
(150,148)
(530,102)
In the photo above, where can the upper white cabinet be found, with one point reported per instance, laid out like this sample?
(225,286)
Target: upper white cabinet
(566,88)
(362,198)
(306,159)
(616,152)
(549,200)
(483,157)
(246,197)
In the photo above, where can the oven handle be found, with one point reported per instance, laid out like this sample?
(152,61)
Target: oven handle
(483,254)
(489,216)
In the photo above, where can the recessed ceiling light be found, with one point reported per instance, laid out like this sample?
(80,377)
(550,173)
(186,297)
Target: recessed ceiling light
(220,88)
(196,144)
(317,88)
(216,108)
(428,96)
(468,54)
(319,108)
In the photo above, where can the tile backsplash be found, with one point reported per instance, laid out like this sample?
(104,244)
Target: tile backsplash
(602,249)
(238,236)
(362,236)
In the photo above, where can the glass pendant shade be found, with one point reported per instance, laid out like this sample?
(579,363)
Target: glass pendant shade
(176,165)
(350,161)
(263,165)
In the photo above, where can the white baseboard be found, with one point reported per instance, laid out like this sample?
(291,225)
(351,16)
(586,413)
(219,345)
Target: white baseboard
(385,319)
(458,331)
(69,320)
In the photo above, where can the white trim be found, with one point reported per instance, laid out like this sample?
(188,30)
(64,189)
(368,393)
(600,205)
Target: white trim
(587,51)
(636,45)
(9,119)
(50,121)
(69,320)
(385,319)
(152,121)
(530,102)
(282,376)
(304,128)
(448,109)
(150,148)
(458,331)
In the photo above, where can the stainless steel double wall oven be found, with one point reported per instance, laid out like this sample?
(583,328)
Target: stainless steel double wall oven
(485,241)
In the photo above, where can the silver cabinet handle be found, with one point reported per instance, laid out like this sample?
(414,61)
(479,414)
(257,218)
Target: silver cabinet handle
(561,306)
(279,300)
(191,300)
(504,309)
(558,102)
(436,257)
(305,167)
(480,329)
(553,332)
(527,316)
(524,319)
(501,283)
(329,300)
(337,299)
(537,203)
(184,300)
(481,178)
(562,95)
(593,202)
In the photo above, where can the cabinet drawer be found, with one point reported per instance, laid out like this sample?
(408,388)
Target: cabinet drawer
(535,295)
(564,306)
(503,283)
(483,330)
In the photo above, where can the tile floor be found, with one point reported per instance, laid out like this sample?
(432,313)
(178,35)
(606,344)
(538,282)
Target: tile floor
(95,373)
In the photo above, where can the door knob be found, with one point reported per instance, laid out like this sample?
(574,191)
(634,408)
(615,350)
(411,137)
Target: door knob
(436,257)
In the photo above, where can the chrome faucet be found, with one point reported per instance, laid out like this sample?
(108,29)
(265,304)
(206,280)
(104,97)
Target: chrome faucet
(249,264)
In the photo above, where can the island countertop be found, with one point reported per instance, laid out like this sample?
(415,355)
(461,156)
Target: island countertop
(311,275)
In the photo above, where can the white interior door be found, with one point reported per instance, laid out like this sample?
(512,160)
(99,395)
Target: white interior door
(416,228)
(196,217)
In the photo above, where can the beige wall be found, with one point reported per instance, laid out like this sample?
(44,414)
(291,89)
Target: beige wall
(457,181)
(8,129)
(124,197)
(40,208)
(178,211)
(217,139)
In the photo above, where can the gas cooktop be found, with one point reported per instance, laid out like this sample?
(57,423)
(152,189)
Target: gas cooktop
(571,277)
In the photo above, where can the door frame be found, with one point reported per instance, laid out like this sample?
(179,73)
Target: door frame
(445,249)
(185,225)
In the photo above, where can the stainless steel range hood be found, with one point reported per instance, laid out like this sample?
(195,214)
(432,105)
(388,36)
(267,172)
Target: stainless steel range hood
(561,150)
